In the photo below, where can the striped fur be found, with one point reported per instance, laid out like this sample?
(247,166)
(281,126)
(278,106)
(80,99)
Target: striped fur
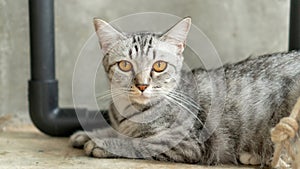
(173,119)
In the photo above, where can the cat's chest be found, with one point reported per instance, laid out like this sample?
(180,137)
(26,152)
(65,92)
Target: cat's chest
(135,129)
(146,122)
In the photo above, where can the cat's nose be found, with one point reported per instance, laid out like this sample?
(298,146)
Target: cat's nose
(142,87)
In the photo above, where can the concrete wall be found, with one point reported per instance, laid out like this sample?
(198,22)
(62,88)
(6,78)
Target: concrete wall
(237,28)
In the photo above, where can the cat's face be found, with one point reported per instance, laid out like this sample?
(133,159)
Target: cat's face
(143,66)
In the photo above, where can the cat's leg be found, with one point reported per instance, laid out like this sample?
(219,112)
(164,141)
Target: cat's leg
(249,159)
(79,138)
(186,151)
(101,148)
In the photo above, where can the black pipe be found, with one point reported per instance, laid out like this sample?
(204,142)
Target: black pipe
(294,36)
(43,87)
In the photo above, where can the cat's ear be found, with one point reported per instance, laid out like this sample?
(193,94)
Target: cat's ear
(107,35)
(177,34)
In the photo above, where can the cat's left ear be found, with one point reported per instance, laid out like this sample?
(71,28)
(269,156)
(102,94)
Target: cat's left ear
(107,34)
(177,34)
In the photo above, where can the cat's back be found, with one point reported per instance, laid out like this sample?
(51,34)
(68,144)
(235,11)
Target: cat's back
(266,66)
(265,81)
(254,88)
(265,74)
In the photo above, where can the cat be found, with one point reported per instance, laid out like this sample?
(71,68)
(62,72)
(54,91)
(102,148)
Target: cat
(209,117)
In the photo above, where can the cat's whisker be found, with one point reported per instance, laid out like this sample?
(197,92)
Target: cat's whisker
(116,96)
(186,108)
(115,89)
(109,95)
(184,98)
(180,101)
(180,94)
(187,102)
(111,92)
(113,95)
(180,78)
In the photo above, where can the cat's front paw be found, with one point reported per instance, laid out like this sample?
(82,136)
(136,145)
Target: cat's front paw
(92,149)
(79,138)
(248,159)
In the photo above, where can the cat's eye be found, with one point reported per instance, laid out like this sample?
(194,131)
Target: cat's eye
(125,65)
(159,66)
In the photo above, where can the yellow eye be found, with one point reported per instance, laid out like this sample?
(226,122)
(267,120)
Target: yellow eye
(159,66)
(125,65)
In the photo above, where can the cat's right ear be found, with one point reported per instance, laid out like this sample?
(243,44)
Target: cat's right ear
(107,35)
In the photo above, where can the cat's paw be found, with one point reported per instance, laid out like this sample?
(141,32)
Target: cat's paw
(92,149)
(79,138)
(249,159)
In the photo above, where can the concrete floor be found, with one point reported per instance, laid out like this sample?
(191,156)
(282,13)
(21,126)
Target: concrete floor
(24,147)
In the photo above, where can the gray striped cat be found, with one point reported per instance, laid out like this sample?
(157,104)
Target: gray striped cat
(160,111)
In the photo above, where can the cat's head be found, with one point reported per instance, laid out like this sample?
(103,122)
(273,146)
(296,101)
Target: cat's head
(143,65)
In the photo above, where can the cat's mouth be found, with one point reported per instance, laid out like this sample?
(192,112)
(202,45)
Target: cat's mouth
(141,99)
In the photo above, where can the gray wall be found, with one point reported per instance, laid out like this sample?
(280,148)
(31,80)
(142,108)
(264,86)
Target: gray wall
(237,28)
